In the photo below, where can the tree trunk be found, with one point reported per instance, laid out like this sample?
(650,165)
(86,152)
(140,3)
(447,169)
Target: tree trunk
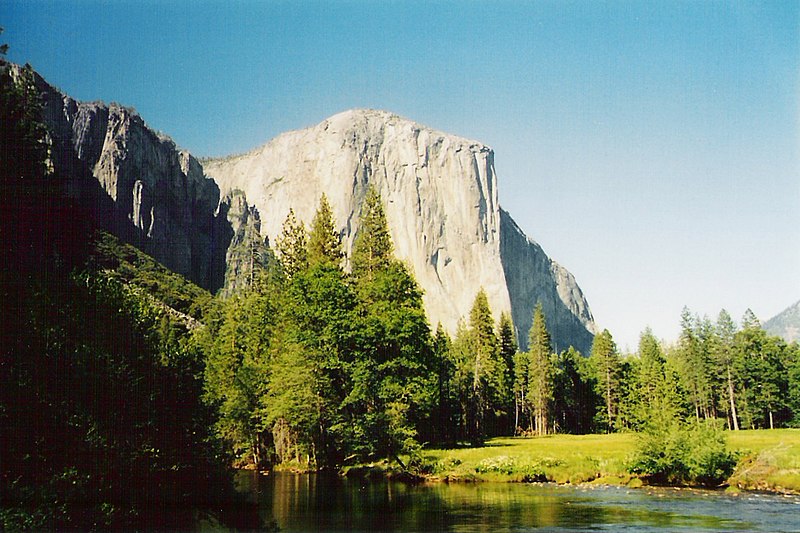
(608,398)
(734,416)
(257,452)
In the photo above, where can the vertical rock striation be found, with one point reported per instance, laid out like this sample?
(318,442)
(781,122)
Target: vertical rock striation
(441,199)
(439,190)
(138,184)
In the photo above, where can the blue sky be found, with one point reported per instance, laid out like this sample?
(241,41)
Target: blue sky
(652,148)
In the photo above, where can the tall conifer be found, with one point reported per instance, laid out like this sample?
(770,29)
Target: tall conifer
(324,244)
(540,372)
(606,362)
(292,245)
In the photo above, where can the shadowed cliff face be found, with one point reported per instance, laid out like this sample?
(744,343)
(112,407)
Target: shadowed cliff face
(440,194)
(533,277)
(138,185)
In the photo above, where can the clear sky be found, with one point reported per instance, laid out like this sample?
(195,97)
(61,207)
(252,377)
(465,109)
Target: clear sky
(652,148)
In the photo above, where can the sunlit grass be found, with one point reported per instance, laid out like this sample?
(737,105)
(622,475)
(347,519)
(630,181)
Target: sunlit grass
(768,459)
(559,458)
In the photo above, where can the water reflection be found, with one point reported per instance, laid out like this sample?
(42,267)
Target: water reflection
(329,503)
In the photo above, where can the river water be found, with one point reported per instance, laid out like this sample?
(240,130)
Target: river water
(292,502)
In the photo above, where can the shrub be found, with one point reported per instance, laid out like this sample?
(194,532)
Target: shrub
(678,453)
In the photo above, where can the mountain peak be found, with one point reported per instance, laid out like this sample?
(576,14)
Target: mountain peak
(440,194)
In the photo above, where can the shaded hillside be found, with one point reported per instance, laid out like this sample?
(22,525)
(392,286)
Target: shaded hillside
(785,324)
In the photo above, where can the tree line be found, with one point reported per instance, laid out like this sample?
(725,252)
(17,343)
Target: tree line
(315,366)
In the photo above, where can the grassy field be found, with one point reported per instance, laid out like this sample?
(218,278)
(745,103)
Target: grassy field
(769,460)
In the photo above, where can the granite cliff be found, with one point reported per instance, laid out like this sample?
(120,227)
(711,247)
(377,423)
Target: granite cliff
(139,185)
(441,199)
(439,190)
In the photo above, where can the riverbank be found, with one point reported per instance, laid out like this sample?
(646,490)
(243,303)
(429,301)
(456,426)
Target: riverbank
(769,460)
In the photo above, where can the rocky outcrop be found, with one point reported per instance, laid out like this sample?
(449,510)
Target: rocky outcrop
(248,252)
(440,194)
(138,184)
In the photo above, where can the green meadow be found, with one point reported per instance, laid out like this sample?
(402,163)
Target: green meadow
(767,460)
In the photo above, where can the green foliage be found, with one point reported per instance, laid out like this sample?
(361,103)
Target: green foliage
(101,419)
(676,453)
(324,244)
(540,373)
(445,421)
(372,249)
(237,345)
(760,363)
(793,377)
(507,338)
(394,375)
(695,364)
(134,268)
(292,246)
(315,340)
(480,374)
(607,367)
(575,397)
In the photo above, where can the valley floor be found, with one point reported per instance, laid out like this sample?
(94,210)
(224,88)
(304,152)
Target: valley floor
(769,460)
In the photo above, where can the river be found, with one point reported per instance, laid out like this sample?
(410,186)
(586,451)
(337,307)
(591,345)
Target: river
(292,502)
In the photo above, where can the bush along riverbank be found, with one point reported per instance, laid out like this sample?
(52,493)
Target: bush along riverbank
(766,460)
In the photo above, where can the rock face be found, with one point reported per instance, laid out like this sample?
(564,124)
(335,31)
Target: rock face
(440,195)
(138,185)
(248,251)
(439,191)
(531,277)
(785,324)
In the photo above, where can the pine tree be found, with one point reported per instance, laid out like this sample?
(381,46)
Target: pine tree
(312,356)
(324,244)
(760,366)
(372,249)
(724,353)
(292,246)
(575,400)
(652,392)
(237,372)
(540,372)
(394,375)
(605,360)
(651,368)
(520,390)
(508,349)
(487,387)
(694,356)
(446,416)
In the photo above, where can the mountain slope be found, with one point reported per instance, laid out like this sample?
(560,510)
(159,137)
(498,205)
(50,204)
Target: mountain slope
(785,324)
(441,199)
(139,185)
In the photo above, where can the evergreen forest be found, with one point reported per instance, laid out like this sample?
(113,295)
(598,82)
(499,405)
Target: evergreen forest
(127,393)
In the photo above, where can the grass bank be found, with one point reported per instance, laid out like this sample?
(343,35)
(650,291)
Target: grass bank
(768,460)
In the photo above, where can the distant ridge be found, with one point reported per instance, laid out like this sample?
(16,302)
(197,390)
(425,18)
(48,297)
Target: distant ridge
(786,324)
